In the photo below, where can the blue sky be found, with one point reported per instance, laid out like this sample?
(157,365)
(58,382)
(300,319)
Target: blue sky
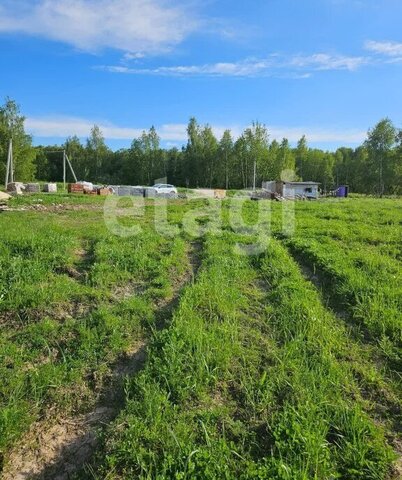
(327,68)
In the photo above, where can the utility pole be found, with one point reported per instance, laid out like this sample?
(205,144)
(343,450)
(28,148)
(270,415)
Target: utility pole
(66,161)
(10,165)
(64,169)
(71,167)
(255,174)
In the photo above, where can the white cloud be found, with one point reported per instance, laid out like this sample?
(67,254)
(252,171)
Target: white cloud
(293,66)
(245,68)
(318,135)
(133,56)
(176,133)
(62,126)
(130,25)
(390,52)
(324,61)
(390,49)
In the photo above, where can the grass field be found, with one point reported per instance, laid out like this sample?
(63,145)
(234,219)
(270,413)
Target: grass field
(175,356)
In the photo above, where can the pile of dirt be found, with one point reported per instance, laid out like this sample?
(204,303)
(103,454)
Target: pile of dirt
(4,196)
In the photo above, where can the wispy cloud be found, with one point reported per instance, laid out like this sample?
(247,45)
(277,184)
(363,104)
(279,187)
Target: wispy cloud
(292,66)
(60,126)
(144,26)
(324,61)
(319,135)
(176,133)
(245,68)
(388,52)
(390,49)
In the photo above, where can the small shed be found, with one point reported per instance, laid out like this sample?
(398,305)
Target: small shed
(342,191)
(293,190)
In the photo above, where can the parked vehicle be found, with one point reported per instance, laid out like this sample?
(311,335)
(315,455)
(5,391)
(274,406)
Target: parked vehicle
(164,189)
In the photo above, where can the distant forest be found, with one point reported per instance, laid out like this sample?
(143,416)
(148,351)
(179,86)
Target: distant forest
(375,167)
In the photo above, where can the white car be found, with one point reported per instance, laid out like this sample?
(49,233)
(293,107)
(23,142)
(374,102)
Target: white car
(166,190)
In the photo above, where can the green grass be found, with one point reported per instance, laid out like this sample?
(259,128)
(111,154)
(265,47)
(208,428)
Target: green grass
(356,249)
(255,374)
(69,308)
(251,380)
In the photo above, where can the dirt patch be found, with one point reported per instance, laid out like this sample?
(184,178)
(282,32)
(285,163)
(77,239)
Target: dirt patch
(69,270)
(60,312)
(130,289)
(54,207)
(195,257)
(55,450)
(58,448)
(396,473)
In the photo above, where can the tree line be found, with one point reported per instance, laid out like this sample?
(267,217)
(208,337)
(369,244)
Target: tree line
(207,161)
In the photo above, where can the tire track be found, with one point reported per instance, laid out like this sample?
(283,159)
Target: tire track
(59,448)
(383,404)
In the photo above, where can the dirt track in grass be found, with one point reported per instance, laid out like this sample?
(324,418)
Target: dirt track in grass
(57,448)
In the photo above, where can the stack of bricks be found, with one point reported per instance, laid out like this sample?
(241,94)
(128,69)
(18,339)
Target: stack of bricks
(75,188)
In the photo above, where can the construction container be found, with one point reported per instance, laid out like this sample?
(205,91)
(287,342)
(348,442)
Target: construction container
(50,187)
(75,188)
(32,188)
(342,191)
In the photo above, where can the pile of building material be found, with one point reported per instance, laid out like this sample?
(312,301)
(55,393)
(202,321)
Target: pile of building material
(4,197)
(15,188)
(220,194)
(32,188)
(150,192)
(50,187)
(75,188)
(128,191)
(103,191)
(87,186)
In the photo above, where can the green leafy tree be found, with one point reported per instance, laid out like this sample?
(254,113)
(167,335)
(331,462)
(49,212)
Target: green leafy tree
(175,166)
(253,147)
(12,127)
(209,154)
(287,162)
(226,158)
(301,156)
(396,187)
(381,139)
(97,152)
(78,158)
(42,164)
(146,161)
(193,154)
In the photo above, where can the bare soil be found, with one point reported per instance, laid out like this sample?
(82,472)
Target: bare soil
(55,447)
